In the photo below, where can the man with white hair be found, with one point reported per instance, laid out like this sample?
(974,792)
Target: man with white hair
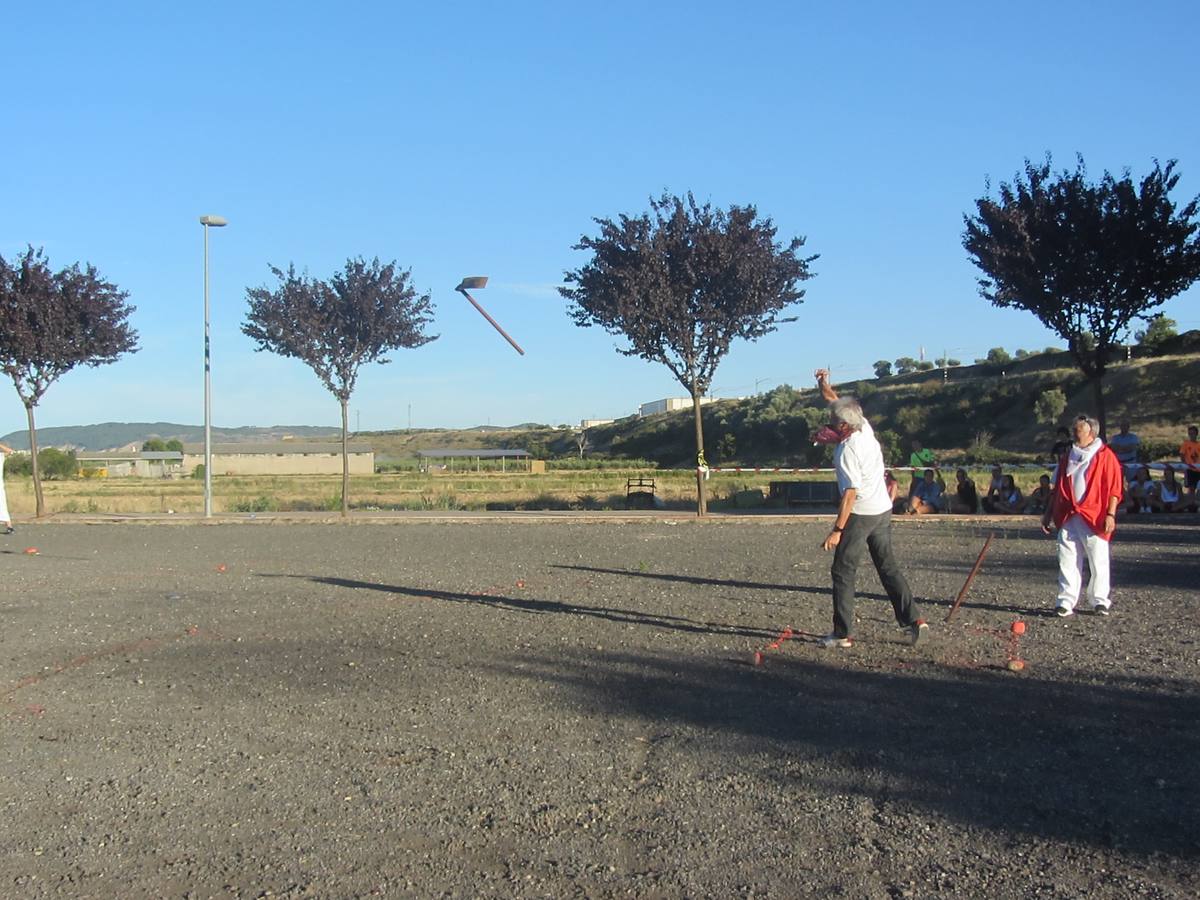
(1088,486)
(864,520)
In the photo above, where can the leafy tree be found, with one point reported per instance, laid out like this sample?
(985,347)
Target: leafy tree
(53,464)
(51,322)
(924,366)
(883,368)
(175,445)
(905,364)
(1158,330)
(1050,405)
(952,362)
(998,356)
(154,445)
(334,327)
(1084,256)
(1020,354)
(681,283)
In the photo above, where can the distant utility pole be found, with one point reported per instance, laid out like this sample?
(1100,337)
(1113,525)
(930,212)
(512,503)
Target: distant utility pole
(410,417)
(357,421)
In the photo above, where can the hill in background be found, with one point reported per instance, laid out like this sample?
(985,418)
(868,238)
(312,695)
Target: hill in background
(113,435)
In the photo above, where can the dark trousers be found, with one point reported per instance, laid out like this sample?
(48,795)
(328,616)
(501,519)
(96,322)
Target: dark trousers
(873,533)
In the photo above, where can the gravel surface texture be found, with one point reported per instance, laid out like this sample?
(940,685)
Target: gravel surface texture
(571,709)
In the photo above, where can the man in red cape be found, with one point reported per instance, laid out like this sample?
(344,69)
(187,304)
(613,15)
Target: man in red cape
(1088,486)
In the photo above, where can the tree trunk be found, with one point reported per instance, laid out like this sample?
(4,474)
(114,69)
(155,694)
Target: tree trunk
(345,458)
(1098,395)
(33,452)
(701,499)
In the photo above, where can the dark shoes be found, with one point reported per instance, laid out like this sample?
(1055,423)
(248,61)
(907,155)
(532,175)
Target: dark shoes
(7,529)
(1062,612)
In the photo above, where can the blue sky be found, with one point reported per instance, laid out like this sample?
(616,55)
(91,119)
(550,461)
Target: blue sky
(481,138)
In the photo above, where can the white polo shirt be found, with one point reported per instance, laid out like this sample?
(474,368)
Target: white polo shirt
(859,464)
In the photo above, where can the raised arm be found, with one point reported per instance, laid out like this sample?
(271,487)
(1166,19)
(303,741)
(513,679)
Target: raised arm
(825,387)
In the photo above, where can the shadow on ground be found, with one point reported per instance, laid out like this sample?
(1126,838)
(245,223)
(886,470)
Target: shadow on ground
(534,605)
(1114,766)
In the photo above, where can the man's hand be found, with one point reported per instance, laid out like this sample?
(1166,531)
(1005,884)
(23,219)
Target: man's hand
(1110,523)
(1047,528)
(835,538)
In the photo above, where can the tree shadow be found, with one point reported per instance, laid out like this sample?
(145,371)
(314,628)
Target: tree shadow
(714,582)
(1115,765)
(533,605)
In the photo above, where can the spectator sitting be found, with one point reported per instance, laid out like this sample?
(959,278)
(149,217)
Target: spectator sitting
(1038,500)
(927,498)
(1126,445)
(1189,455)
(893,488)
(1062,444)
(965,498)
(1170,493)
(993,491)
(920,458)
(1142,495)
(1009,501)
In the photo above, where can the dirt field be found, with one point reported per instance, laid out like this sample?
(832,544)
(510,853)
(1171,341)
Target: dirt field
(570,709)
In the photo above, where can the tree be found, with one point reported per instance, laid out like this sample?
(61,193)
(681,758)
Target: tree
(154,445)
(681,283)
(1050,405)
(1021,353)
(1158,330)
(905,364)
(998,356)
(1084,256)
(581,441)
(335,327)
(51,322)
(883,368)
(924,366)
(175,445)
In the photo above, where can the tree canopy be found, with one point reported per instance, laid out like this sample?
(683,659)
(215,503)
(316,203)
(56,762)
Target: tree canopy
(681,282)
(358,316)
(1084,257)
(51,322)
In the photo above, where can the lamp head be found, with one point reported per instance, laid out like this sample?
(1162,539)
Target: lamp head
(473,283)
(214,221)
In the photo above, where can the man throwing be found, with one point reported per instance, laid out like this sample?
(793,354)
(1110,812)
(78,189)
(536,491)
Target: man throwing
(864,520)
(1087,491)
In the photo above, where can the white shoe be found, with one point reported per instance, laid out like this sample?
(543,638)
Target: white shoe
(831,641)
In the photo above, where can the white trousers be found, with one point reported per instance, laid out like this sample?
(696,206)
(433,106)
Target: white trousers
(1077,542)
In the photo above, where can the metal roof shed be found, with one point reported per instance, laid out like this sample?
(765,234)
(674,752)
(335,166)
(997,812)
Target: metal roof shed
(451,455)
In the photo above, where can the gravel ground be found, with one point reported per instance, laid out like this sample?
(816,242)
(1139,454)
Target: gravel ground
(570,709)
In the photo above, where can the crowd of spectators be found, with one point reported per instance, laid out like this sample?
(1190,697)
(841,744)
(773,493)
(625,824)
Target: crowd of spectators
(928,494)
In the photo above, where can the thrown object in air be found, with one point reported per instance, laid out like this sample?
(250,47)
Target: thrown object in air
(478,282)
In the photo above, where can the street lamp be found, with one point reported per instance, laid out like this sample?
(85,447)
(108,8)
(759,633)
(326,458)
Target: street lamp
(214,222)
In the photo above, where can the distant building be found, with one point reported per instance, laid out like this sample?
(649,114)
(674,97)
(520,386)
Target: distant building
(282,458)
(670,404)
(594,423)
(132,463)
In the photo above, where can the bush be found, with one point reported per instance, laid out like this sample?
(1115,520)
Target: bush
(53,464)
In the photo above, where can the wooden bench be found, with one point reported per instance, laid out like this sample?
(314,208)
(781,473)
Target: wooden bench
(639,493)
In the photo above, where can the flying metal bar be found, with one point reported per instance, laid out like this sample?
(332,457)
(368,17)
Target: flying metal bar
(480,282)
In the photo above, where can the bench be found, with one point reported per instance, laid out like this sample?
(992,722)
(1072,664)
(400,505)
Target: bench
(639,493)
(805,493)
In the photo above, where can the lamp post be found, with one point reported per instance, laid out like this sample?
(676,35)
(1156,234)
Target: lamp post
(207,222)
